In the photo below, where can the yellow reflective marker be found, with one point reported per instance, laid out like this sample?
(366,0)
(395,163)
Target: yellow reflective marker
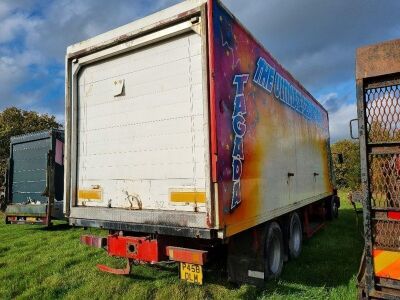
(90,195)
(387,264)
(188,197)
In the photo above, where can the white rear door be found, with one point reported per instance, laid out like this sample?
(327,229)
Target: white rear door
(142,129)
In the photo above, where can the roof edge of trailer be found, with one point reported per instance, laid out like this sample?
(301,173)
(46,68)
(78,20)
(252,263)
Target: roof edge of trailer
(134,28)
(34,135)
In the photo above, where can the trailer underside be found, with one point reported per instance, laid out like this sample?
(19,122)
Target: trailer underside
(181,231)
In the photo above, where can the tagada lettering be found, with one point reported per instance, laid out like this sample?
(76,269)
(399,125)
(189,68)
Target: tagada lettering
(239,130)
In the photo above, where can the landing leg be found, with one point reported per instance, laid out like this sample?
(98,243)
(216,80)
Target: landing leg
(124,271)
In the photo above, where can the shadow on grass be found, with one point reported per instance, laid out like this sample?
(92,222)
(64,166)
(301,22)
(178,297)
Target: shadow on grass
(43,228)
(57,227)
(166,274)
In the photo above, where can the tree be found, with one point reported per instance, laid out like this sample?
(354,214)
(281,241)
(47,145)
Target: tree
(15,121)
(348,173)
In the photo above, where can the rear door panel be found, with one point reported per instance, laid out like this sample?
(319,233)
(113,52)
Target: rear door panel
(147,142)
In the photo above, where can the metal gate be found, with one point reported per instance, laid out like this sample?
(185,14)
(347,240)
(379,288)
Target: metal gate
(378,102)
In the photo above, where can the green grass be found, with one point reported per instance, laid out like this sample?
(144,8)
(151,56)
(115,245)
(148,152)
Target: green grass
(39,263)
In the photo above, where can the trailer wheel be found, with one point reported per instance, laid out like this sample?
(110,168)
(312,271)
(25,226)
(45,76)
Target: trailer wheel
(332,208)
(295,235)
(273,258)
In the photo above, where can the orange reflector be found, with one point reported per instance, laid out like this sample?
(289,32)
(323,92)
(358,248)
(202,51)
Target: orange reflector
(387,264)
(90,194)
(188,197)
(395,215)
(192,256)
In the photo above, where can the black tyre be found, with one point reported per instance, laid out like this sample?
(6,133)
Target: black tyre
(274,253)
(332,208)
(295,235)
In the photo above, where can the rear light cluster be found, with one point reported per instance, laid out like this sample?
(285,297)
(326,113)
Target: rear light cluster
(395,215)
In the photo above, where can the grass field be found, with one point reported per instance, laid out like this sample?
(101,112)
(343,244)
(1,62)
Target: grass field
(39,263)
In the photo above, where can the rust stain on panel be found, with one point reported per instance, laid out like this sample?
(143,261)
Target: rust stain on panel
(379,59)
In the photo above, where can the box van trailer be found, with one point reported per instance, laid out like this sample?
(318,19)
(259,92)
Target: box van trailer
(185,136)
(35,178)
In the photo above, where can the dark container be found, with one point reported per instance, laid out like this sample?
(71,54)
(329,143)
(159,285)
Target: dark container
(34,179)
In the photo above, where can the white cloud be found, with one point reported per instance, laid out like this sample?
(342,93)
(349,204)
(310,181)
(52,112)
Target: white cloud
(10,73)
(66,22)
(340,114)
(14,70)
(339,121)
(31,42)
(7,7)
(15,24)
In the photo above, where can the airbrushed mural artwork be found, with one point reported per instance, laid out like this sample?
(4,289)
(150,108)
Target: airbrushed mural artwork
(272,135)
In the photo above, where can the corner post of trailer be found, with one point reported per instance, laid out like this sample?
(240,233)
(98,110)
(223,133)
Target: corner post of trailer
(67,138)
(9,176)
(71,88)
(212,110)
(211,206)
(8,191)
(50,184)
(362,125)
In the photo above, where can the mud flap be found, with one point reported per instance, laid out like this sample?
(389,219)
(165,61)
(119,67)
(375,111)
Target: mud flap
(243,269)
(245,262)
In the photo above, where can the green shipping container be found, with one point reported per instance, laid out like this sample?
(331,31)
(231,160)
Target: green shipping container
(35,178)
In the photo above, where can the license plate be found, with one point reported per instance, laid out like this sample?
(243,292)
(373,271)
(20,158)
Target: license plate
(191,273)
(30,219)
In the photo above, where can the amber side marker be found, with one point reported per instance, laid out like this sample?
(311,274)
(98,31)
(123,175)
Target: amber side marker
(90,194)
(188,197)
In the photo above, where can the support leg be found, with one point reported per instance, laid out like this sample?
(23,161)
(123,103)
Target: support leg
(124,271)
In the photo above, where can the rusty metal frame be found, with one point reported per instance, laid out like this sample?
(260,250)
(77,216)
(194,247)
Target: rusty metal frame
(377,66)
(365,182)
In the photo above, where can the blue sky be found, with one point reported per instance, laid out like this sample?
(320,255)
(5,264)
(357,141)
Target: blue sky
(315,40)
